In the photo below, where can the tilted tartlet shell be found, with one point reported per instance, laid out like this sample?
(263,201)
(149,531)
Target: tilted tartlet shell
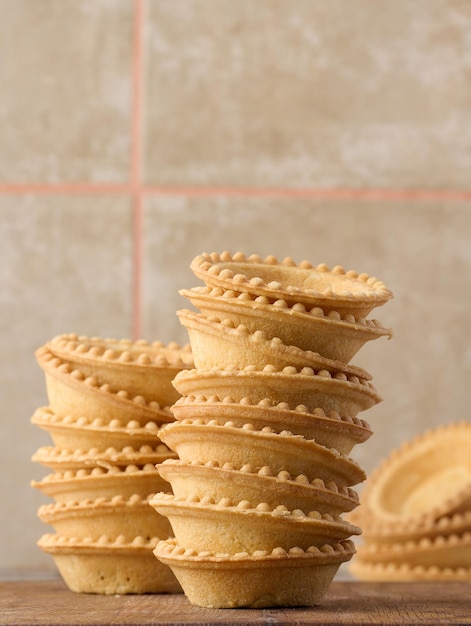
(329,334)
(452,552)
(59,459)
(218,342)
(392,572)
(110,567)
(114,517)
(283,578)
(93,482)
(346,395)
(142,368)
(69,432)
(195,440)
(428,477)
(335,289)
(71,392)
(218,481)
(331,430)
(227,527)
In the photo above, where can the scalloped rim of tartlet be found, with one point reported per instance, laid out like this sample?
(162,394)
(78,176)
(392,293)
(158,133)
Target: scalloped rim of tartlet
(350,471)
(206,505)
(98,478)
(224,329)
(347,323)
(72,376)
(44,417)
(346,497)
(254,274)
(121,352)
(359,429)
(280,577)
(169,549)
(393,572)
(54,543)
(374,514)
(294,378)
(52,456)
(100,503)
(380,533)
(436,547)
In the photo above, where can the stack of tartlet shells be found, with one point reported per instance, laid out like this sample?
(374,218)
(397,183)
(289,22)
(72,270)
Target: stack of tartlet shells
(264,429)
(108,400)
(416,511)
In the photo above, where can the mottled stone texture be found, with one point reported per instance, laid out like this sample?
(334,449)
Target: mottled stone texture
(252,96)
(309,93)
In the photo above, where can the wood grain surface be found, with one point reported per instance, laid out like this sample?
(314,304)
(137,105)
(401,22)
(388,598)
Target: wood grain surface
(42,603)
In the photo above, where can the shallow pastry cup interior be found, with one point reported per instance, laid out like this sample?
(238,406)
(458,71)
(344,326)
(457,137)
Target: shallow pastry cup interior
(428,477)
(346,292)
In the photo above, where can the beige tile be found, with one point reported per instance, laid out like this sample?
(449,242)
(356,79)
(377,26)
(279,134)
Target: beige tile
(308,93)
(422,252)
(66,82)
(66,267)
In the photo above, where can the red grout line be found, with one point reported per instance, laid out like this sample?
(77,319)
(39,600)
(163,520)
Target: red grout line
(263,192)
(136,161)
(137,268)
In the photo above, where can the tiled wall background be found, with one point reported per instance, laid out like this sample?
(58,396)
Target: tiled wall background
(136,134)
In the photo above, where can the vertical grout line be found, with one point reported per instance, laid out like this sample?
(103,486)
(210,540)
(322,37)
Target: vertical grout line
(136,163)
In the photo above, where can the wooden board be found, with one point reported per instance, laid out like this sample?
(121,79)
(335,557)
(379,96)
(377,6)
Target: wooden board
(42,603)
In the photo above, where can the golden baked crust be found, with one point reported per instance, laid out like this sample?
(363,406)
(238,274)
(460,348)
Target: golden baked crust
(328,429)
(426,478)
(61,459)
(142,368)
(196,440)
(232,527)
(220,343)
(315,389)
(345,291)
(387,534)
(452,551)
(83,432)
(114,517)
(93,482)
(393,572)
(71,392)
(330,334)
(279,577)
(191,478)
(107,566)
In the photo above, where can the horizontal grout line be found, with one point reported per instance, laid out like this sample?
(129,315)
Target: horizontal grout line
(249,192)
(313,192)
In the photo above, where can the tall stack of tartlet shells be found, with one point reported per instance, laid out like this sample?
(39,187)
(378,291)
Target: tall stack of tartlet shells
(264,429)
(416,510)
(108,400)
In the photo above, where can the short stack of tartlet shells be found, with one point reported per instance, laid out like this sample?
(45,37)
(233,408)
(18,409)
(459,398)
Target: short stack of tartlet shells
(107,402)
(264,429)
(416,511)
